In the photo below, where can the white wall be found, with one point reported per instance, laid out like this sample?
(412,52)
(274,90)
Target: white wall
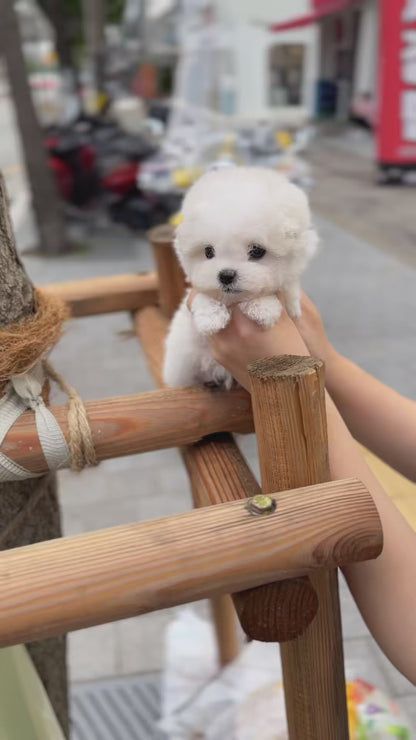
(266,11)
(252,56)
(250,20)
(365,72)
(249,41)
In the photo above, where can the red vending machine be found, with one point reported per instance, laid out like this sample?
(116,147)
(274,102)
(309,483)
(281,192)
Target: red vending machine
(396,134)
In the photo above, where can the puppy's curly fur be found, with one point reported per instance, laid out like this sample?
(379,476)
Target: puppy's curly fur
(246,234)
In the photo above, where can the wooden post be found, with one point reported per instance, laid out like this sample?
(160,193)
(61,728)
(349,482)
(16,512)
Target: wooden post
(218,472)
(225,624)
(293,620)
(171,276)
(172,283)
(290,421)
(151,327)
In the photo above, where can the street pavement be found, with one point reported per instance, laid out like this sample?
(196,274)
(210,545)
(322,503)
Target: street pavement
(346,192)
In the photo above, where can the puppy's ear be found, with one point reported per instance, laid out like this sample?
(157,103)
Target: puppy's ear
(179,252)
(177,248)
(290,228)
(311,242)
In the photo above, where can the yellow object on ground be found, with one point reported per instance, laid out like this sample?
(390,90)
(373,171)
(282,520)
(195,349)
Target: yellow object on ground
(401,490)
(284,139)
(372,715)
(185,177)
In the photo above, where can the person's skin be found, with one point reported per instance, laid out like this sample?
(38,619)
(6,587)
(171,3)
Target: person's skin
(384,589)
(377,416)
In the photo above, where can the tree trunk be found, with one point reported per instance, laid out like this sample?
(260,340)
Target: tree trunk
(94,21)
(66,31)
(46,203)
(29,510)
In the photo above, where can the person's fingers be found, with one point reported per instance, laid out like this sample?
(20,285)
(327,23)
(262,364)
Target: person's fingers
(305,301)
(307,309)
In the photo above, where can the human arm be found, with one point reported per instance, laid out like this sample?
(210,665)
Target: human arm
(383,589)
(377,416)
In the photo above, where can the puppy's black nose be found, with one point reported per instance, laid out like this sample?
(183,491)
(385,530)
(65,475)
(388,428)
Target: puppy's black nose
(226,277)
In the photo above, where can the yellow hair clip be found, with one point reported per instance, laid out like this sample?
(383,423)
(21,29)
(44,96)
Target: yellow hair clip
(176,219)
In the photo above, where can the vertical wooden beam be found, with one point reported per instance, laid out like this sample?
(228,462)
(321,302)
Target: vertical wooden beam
(299,606)
(225,623)
(290,420)
(218,472)
(151,327)
(172,281)
(172,286)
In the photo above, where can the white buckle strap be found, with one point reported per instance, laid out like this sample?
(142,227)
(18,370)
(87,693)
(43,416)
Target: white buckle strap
(25,392)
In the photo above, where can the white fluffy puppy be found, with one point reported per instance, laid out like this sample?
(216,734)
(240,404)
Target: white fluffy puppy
(245,235)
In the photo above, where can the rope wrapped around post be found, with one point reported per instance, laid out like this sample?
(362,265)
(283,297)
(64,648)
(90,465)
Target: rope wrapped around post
(24,370)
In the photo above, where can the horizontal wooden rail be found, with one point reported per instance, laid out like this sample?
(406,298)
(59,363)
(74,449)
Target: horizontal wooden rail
(61,585)
(107,294)
(127,425)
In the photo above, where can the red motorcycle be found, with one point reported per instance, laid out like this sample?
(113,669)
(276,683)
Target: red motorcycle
(95,164)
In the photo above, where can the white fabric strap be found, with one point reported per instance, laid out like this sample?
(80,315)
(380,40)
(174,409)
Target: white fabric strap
(25,392)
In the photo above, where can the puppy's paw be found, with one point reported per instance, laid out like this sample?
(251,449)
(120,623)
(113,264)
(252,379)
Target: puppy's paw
(293,308)
(215,377)
(223,378)
(292,300)
(177,374)
(265,311)
(209,316)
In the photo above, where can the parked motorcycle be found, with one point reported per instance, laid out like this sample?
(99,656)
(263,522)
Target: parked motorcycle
(96,164)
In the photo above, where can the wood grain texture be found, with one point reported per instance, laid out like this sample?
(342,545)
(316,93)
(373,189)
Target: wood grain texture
(107,294)
(76,582)
(172,281)
(151,327)
(217,470)
(290,420)
(127,425)
(225,625)
(283,612)
(219,473)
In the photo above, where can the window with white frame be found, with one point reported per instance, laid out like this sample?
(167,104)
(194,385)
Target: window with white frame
(285,74)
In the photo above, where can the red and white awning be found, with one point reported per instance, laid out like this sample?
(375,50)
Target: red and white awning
(321,8)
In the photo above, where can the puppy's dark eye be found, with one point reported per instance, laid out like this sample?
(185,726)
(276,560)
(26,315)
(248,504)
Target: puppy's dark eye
(209,252)
(256,252)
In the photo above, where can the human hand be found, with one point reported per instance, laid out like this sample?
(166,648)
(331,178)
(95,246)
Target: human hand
(312,331)
(244,341)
